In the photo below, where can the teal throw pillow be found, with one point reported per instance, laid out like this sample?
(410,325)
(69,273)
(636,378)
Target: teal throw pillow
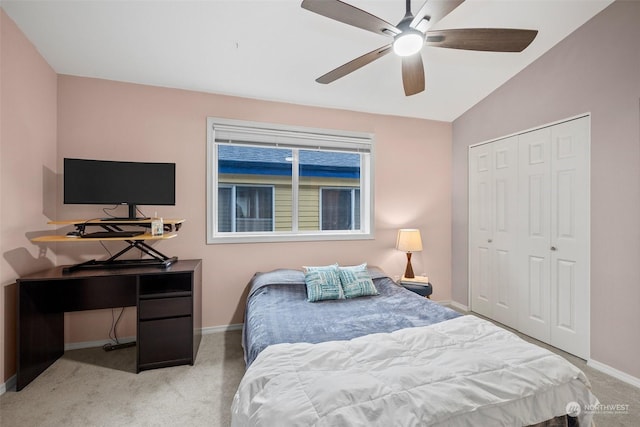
(356,281)
(323,283)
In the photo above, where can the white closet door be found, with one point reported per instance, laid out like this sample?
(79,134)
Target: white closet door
(569,237)
(493,225)
(529,233)
(504,245)
(480,227)
(534,241)
(554,235)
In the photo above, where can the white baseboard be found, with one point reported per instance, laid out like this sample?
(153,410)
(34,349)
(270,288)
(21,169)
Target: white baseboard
(9,385)
(100,343)
(223,328)
(459,306)
(622,376)
(91,344)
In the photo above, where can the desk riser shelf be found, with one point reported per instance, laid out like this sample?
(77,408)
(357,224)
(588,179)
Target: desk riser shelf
(113,226)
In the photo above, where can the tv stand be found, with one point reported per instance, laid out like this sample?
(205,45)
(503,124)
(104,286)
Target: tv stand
(156,258)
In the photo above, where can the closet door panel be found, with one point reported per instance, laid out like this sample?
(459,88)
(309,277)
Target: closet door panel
(569,237)
(533,235)
(483,287)
(505,221)
(480,228)
(535,297)
(565,294)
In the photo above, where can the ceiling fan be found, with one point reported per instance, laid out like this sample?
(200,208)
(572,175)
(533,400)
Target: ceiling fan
(412,33)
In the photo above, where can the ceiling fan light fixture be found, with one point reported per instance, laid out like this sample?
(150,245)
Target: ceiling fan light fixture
(408,43)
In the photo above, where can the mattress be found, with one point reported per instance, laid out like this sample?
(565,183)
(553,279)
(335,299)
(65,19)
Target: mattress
(277,312)
(392,359)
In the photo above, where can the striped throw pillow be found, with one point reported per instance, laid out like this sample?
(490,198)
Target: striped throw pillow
(356,281)
(323,283)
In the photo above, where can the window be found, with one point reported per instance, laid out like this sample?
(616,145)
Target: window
(274,183)
(245,208)
(340,208)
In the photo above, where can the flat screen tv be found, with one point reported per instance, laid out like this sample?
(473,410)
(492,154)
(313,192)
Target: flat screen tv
(106,182)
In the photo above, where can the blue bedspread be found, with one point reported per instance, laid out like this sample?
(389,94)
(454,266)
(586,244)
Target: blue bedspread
(278,312)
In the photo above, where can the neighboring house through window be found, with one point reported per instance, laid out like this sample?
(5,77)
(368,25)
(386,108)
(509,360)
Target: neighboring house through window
(340,208)
(244,208)
(272,182)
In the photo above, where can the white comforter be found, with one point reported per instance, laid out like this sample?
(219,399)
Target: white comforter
(461,372)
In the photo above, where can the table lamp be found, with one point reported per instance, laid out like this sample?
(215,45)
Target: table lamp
(409,241)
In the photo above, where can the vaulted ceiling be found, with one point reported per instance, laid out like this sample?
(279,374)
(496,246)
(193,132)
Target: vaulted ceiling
(274,49)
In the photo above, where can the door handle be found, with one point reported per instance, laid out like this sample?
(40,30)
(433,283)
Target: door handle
(553,248)
(490,240)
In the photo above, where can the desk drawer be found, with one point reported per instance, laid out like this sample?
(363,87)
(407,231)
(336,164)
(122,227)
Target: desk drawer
(165,342)
(164,307)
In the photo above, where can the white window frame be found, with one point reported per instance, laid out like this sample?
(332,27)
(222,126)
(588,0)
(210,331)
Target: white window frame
(220,131)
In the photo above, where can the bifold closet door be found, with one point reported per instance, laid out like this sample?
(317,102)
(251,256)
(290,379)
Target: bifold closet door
(493,230)
(553,235)
(535,217)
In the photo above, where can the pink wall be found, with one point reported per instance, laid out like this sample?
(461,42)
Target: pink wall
(109,120)
(46,117)
(596,69)
(28,89)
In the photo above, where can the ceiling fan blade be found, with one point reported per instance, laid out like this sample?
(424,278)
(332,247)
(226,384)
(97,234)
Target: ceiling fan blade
(412,74)
(351,15)
(436,10)
(485,39)
(351,66)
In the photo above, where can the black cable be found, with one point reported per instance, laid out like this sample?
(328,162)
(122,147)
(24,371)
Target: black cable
(82,227)
(105,248)
(113,333)
(105,210)
(100,241)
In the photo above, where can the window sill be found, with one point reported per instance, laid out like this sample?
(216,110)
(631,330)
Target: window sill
(286,237)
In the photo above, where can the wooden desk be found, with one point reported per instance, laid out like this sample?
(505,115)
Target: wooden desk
(169,312)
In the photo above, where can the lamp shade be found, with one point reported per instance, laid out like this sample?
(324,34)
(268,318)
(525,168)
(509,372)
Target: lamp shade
(409,240)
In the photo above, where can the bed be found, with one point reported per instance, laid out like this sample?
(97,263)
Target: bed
(392,359)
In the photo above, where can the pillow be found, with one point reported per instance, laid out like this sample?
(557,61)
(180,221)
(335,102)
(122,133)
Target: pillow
(323,283)
(356,281)
(320,267)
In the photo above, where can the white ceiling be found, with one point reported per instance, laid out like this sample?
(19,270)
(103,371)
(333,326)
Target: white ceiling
(274,49)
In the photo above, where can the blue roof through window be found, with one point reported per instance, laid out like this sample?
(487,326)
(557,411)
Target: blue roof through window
(237,159)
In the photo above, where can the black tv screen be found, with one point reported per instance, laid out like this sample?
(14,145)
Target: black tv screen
(105,182)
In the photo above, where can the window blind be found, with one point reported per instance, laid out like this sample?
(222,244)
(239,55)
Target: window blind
(290,137)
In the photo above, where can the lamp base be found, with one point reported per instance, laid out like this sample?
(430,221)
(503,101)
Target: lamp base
(408,273)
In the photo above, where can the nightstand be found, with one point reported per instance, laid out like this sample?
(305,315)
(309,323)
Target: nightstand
(418,285)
